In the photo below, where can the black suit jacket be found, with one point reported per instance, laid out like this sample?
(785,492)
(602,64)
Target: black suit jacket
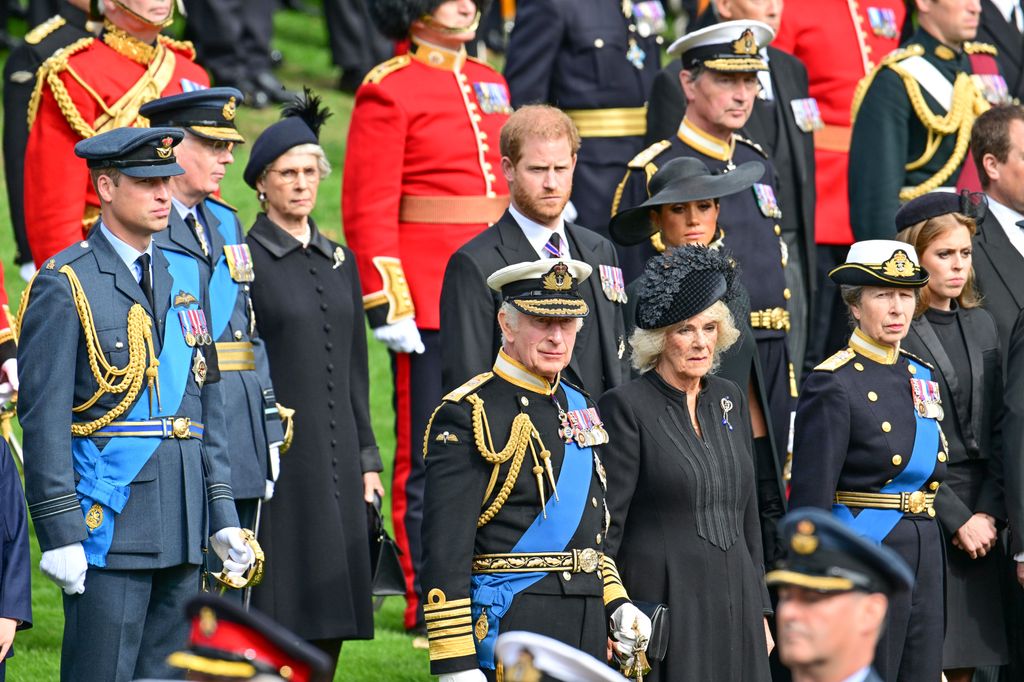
(1008,40)
(470,337)
(667,104)
(982,433)
(997,269)
(1013,436)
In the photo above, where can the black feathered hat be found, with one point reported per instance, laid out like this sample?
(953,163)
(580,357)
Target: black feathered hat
(394,18)
(682,282)
(300,124)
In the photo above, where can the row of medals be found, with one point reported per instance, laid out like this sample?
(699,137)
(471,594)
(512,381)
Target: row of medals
(582,426)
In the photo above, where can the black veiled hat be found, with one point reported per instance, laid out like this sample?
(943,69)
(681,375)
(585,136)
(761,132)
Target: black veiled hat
(393,18)
(678,181)
(683,282)
(971,204)
(300,124)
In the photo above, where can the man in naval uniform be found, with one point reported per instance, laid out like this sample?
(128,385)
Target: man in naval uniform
(125,469)
(514,514)
(208,229)
(913,114)
(719,78)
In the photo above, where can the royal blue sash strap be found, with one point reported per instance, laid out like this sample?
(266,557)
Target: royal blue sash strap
(495,591)
(223,289)
(878,523)
(106,475)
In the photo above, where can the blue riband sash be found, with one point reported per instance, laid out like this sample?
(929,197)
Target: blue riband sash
(223,289)
(495,591)
(878,523)
(106,475)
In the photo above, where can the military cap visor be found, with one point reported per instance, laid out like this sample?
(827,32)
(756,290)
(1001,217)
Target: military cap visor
(881,263)
(971,204)
(208,113)
(530,656)
(731,46)
(543,288)
(677,182)
(824,555)
(136,152)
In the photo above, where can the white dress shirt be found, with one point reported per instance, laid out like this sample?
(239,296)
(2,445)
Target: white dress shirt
(1006,8)
(1008,219)
(538,235)
(128,254)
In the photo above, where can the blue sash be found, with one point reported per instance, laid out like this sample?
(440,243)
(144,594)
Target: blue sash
(495,591)
(223,289)
(106,475)
(878,523)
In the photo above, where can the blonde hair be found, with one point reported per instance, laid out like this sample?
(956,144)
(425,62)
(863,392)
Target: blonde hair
(921,236)
(647,345)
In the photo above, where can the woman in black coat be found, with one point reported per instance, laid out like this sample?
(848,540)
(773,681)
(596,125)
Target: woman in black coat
(308,305)
(681,485)
(960,340)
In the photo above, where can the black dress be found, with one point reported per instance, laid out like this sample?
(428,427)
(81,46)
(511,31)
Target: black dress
(684,528)
(963,346)
(309,310)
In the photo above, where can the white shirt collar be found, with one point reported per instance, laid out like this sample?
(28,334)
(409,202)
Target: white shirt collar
(537,234)
(126,252)
(765,78)
(860,675)
(184,210)
(1008,219)
(1005,7)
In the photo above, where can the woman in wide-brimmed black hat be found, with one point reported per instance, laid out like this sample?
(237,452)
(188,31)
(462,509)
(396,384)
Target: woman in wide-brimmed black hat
(683,210)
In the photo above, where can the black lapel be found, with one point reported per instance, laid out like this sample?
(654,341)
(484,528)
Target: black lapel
(110,263)
(162,293)
(977,383)
(513,247)
(590,290)
(1006,37)
(1006,260)
(923,328)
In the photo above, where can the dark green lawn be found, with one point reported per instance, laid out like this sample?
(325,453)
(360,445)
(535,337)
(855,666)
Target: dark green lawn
(390,656)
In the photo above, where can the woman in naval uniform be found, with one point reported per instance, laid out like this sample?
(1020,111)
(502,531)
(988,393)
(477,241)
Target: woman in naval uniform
(868,447)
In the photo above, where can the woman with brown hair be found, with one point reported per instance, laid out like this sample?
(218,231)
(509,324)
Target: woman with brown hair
(958,338)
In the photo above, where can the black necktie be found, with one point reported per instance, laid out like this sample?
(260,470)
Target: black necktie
(146,281)
(553,247)
(199,232)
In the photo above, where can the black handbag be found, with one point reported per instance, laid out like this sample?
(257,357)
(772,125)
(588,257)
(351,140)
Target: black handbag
(386,571)
(657,645)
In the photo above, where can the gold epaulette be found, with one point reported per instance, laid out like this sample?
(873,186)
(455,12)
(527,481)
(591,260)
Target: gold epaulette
(649,154)
(836,361)
(385,69)
(750,143)
(916,358)
(36,35)
(219,201)
(48,73)
(893,57)
(456,395)
(973,48)
(185,46)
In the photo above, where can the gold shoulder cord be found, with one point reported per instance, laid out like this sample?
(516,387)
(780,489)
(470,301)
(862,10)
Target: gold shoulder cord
(110,379)
(521,436)
(48,74)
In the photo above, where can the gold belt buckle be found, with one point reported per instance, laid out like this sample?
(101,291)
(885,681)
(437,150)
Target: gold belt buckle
(181,427)
(587,559)
(914,502)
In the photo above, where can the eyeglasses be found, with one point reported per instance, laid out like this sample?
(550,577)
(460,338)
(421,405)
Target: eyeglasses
(216,146)
(290,175)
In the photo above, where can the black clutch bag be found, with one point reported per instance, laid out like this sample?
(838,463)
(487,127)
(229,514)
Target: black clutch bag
(386,572)
(657,645)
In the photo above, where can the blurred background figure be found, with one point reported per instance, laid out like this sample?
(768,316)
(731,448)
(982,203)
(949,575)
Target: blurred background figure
(15,567)
(356,44)
(527,656)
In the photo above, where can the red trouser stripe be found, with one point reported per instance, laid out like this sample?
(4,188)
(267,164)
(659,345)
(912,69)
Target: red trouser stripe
(403,465)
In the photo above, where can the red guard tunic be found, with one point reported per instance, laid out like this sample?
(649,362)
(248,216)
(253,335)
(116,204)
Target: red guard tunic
(93,85)
(840,42)
(422,175)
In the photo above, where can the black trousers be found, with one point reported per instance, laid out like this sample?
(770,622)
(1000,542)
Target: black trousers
(356,44)
(774,355)
(232,37)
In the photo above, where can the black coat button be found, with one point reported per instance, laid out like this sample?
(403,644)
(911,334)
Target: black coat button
(327,326)
(330,366)
(334,442)
(312,271)
(319,289)
(329,346)
(330,403)
(323,306)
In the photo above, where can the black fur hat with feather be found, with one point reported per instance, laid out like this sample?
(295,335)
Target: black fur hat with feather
(394,17)
(300,123)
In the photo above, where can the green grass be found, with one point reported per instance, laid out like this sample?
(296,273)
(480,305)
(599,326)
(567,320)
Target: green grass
(390,656)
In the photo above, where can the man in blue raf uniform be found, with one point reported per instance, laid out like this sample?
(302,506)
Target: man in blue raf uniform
(868,447)
(834,590)
(125,467)
(595,59)
(514,516)
(719,78)
(209,230)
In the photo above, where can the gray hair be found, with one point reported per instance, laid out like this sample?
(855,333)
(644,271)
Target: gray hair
(513,315)
(647,345)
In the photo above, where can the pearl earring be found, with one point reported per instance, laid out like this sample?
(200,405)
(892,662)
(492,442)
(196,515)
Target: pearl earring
(261,196)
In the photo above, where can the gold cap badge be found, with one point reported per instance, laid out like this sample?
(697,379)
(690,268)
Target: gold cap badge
(804,540)
(746,44)
(207,621)
(164,150)
(558,279)
(899,265)
(230,109)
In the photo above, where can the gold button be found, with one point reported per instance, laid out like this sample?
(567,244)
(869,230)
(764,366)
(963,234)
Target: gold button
(942,457)
(566,576)
(786,294)
(238,335)
(887,427)
(912,369)
(598,43)
(888,482)
(897,460)
(778,230)
(859,367)
(593,501)
(524,401)
(934,485)
(931,512)
(872,396)
(598,538)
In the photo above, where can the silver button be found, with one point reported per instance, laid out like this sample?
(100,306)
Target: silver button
(524,401)
(598,43)
(118,345)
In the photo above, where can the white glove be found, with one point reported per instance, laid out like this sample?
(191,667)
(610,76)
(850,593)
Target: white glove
(621,625)
(9,379)
(268,491)
(401,337)
(66,566)
(229,545)
(275,462)
(463,676)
